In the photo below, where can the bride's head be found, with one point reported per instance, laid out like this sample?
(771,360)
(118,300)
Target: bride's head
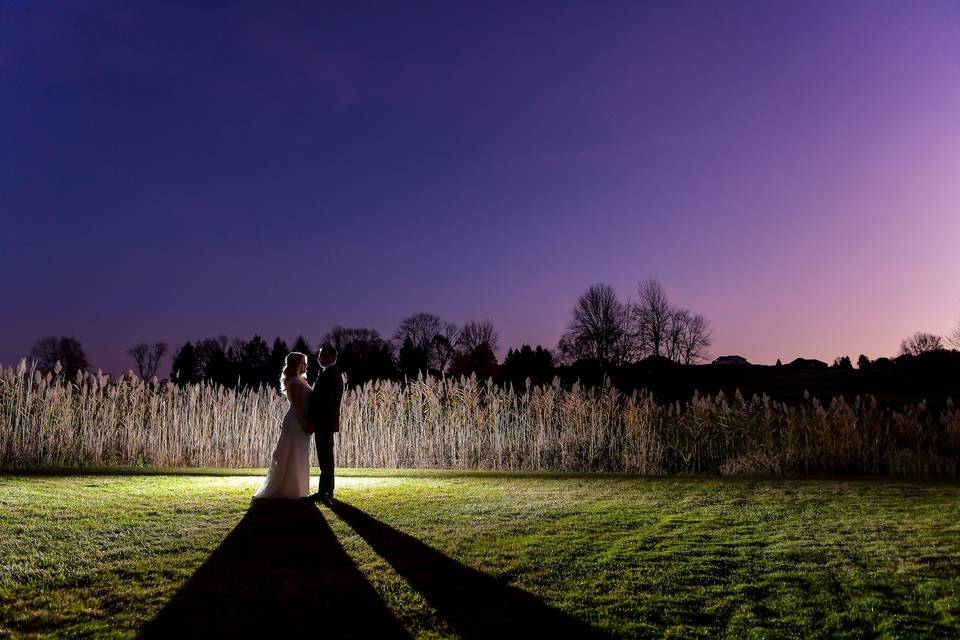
(295,366)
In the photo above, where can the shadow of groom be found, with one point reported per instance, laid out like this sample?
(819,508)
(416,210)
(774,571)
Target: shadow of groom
(475,604)
(281,570)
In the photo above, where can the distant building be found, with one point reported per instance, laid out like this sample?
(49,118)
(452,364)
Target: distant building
(807,363)
(731,360)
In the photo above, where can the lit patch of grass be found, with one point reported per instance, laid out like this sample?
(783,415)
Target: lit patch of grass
(682,557)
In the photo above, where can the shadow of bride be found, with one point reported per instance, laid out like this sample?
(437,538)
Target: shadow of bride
(281,570)
(475,604)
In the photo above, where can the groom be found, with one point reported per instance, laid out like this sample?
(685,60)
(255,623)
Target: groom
(323,412)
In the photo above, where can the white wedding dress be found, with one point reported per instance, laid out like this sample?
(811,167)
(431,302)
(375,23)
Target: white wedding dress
(289,473)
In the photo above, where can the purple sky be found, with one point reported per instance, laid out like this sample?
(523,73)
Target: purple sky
(171,171)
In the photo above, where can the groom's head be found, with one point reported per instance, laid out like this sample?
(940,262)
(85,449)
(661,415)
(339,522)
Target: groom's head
(328,355)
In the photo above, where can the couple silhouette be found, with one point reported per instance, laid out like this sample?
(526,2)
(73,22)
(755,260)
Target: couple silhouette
(313,411)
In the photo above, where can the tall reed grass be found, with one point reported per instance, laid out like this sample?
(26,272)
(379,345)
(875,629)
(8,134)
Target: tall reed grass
(465,424)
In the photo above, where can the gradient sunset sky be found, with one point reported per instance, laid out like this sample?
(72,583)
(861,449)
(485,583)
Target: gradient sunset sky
(176,170)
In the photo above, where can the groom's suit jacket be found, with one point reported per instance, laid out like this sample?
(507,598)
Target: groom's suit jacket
(324,404)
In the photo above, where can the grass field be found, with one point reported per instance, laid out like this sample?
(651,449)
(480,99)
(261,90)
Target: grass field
(480,555)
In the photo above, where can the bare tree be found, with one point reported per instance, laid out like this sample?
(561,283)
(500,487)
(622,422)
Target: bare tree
(476,333)
(651,316)
(139,354)
(46,353)
(339,337)
(566,350)
(157,352)
(445,344)
(955,337)
(673,343)
(674,332)
(148,358)
(68,352)
(920,342)
(420,328)
(451,332)
(695,338)
(427,333)
(598,328)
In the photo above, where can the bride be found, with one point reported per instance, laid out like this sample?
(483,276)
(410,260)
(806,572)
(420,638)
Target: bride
(289,473)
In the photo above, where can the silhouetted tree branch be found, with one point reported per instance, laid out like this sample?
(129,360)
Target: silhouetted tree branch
(598,327)
(428,335)
(47,352)
(652,317)
(695,338)
(920,342)
(147,357)
(476,333)
(445,344)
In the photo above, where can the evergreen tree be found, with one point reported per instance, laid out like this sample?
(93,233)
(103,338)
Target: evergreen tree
(185,368)
(843,363)
(482,361)
(382,364)
(301,345)
(215,357)
(413,359)
(363,354)
(254,360)
(278,357)
(525,362)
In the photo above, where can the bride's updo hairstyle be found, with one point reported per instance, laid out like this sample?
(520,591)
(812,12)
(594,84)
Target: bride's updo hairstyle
(290,367)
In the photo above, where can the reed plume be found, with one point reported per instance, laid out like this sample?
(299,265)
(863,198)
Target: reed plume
(47,421)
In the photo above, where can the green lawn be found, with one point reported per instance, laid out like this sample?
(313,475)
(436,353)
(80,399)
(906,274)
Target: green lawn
(480,555)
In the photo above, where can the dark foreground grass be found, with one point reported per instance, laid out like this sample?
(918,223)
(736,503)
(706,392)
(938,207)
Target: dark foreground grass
(438,555)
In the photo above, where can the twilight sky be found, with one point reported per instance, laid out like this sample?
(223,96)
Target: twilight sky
(176,170)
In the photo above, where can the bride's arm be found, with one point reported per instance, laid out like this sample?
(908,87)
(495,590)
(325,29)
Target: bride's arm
(296,394)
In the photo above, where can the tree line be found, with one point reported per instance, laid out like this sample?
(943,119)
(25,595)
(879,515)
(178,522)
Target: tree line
(603,330)
(422,344)
(603,333)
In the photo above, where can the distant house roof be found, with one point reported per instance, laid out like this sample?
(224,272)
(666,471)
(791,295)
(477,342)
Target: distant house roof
(807,363)
(728,360)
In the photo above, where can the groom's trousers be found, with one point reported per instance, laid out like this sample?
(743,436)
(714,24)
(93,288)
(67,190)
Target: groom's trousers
(325,459)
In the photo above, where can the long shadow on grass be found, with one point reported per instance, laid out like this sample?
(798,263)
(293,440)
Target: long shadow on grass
(280,571)
(475,604)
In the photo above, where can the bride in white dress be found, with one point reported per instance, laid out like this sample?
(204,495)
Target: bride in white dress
(289,473)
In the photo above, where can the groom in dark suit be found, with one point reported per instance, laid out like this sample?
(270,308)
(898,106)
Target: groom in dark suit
(323,409)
